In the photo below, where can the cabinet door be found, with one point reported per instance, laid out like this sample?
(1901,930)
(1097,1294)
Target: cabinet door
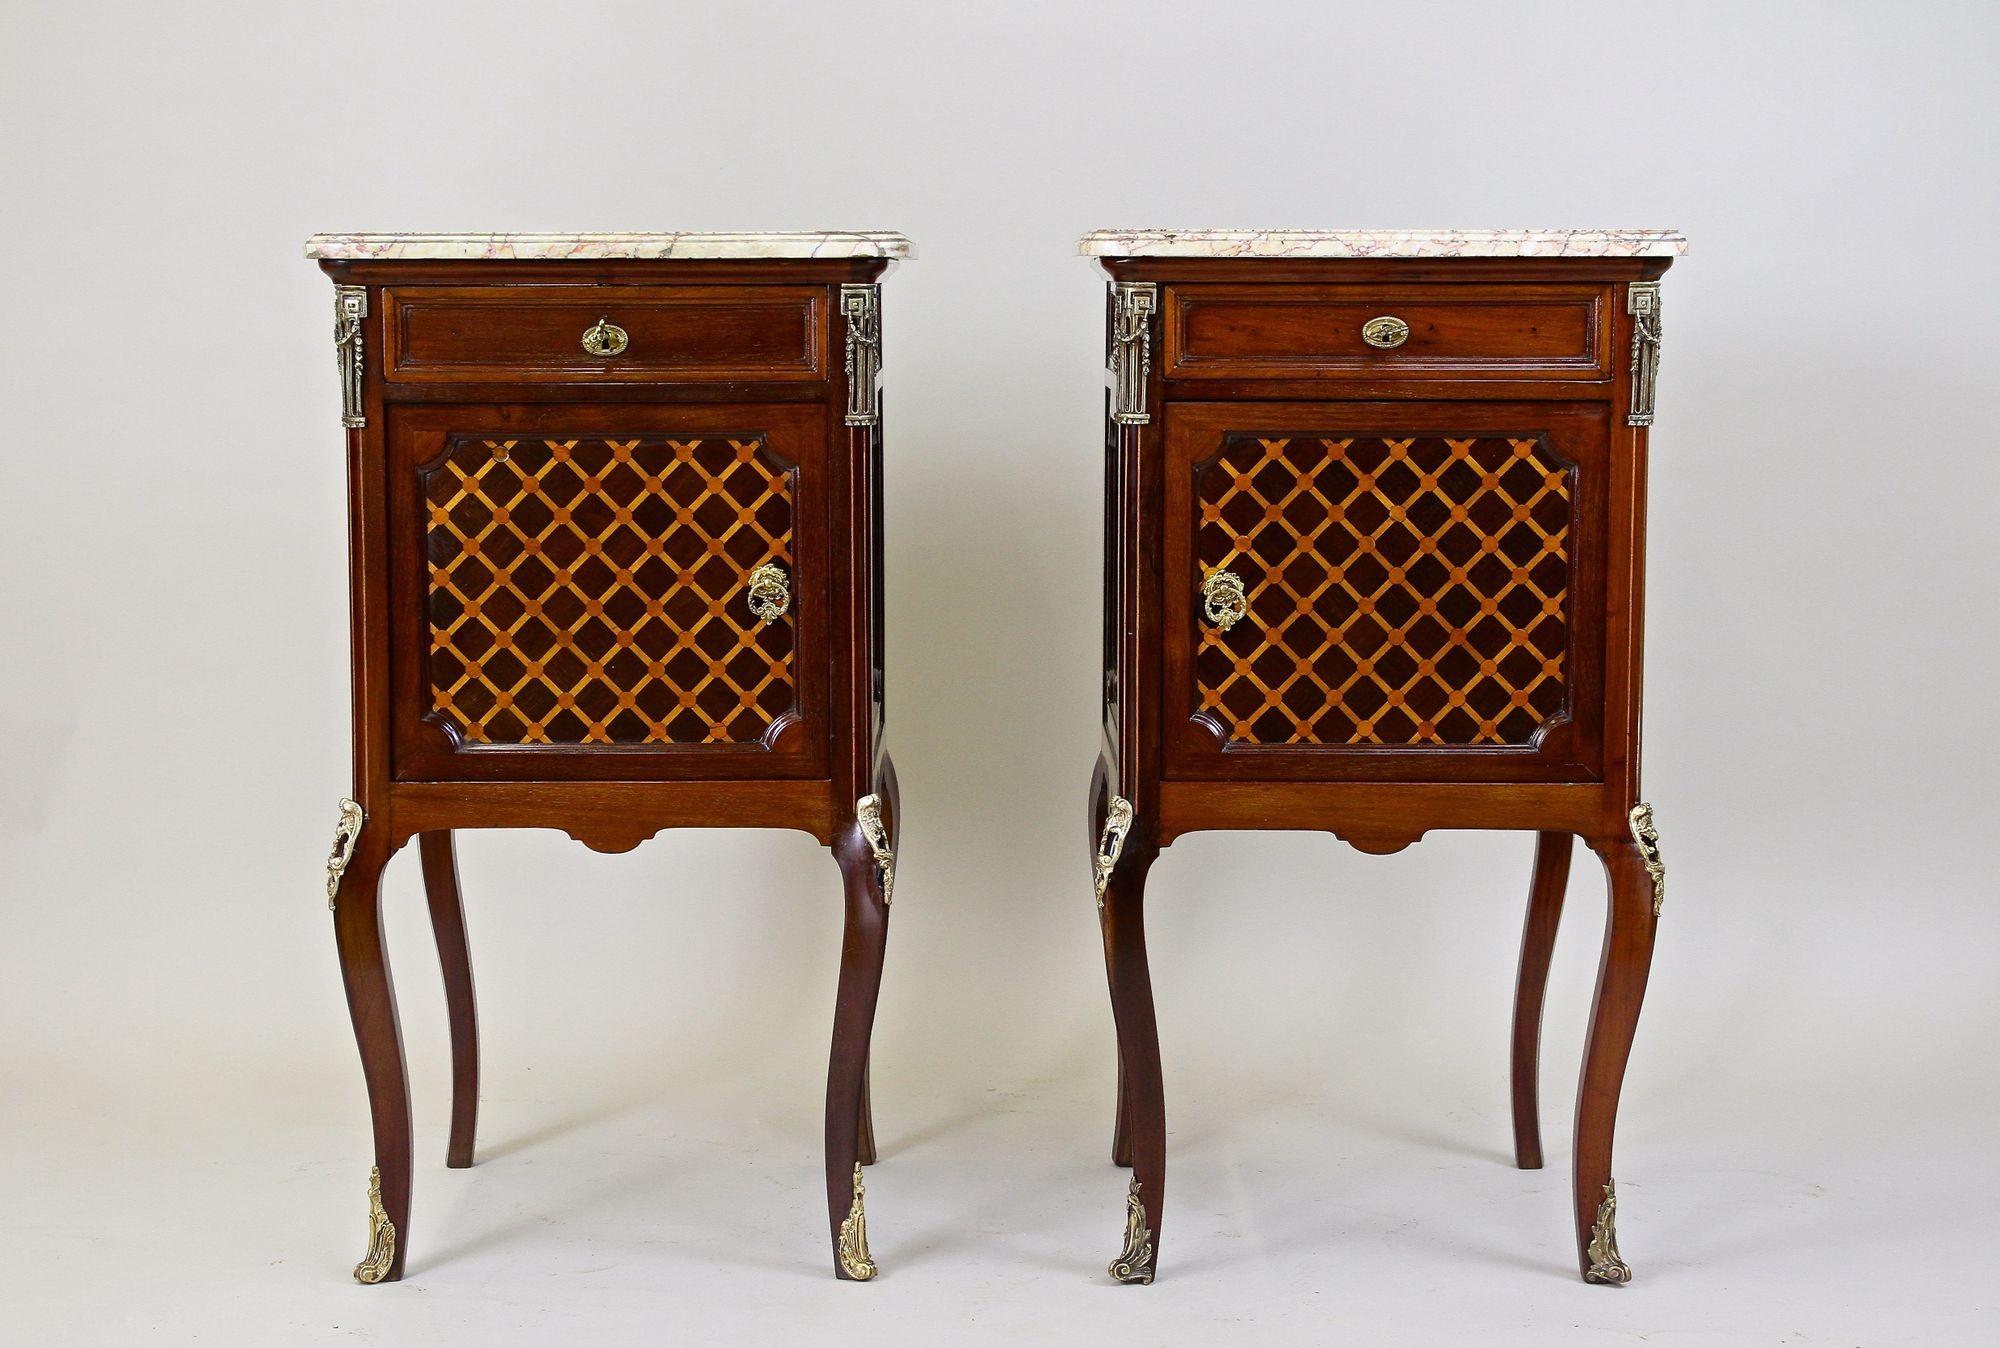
(1421,590)
(608,592)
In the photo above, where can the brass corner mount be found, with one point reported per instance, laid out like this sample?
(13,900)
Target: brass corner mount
(345,835)
(868,814)
(1111,844)
(1648,838)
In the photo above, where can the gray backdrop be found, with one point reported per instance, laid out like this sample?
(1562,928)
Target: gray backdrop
(1806,1152)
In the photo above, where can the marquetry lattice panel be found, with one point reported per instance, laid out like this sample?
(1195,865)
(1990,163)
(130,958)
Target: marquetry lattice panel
(1402,591)
(594,590)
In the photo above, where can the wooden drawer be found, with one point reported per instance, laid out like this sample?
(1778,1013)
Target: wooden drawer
(519,334)
(1304,331)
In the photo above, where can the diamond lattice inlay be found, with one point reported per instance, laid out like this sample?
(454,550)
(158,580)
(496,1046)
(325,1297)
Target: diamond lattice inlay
(594,591)
(1400,591)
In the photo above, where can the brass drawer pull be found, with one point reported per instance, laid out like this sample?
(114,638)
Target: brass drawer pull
(605,338)
(770,592)
(1222,600)
(1386,332)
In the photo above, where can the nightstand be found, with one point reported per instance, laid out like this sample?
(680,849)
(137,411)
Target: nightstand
(614,511)
(1375,546)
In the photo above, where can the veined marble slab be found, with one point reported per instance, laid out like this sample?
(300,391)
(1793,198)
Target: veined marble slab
(1383,243)
(606,247)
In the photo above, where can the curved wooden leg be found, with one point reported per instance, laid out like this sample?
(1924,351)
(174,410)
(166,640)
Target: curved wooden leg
(866,1148)
(869,886)
(1144,1107)
(371,1001)
(1538,943)
(865,1144)
(1095,807)
(1621,986)
(448,924)
(1121,1128)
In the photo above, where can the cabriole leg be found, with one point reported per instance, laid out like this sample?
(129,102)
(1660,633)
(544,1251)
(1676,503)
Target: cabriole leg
(1121,870)
(454,956)
(1097,814)
(1538,943)
(1637,887)
(354,889)
(867,865)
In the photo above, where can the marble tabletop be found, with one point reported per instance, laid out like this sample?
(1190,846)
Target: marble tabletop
(607,247)
(1383,243)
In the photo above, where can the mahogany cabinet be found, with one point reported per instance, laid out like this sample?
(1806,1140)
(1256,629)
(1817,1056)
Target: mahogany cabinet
(1375,527)
(615,552)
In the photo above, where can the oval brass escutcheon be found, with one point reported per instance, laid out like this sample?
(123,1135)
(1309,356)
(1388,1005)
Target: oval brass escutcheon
(605,338)
(1385,332)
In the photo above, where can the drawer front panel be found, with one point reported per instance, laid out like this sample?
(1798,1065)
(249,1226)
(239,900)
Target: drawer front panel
(1295,331)
(512,333)
(636,602)
(1412,589)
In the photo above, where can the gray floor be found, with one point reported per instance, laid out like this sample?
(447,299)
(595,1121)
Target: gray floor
(621,1201)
